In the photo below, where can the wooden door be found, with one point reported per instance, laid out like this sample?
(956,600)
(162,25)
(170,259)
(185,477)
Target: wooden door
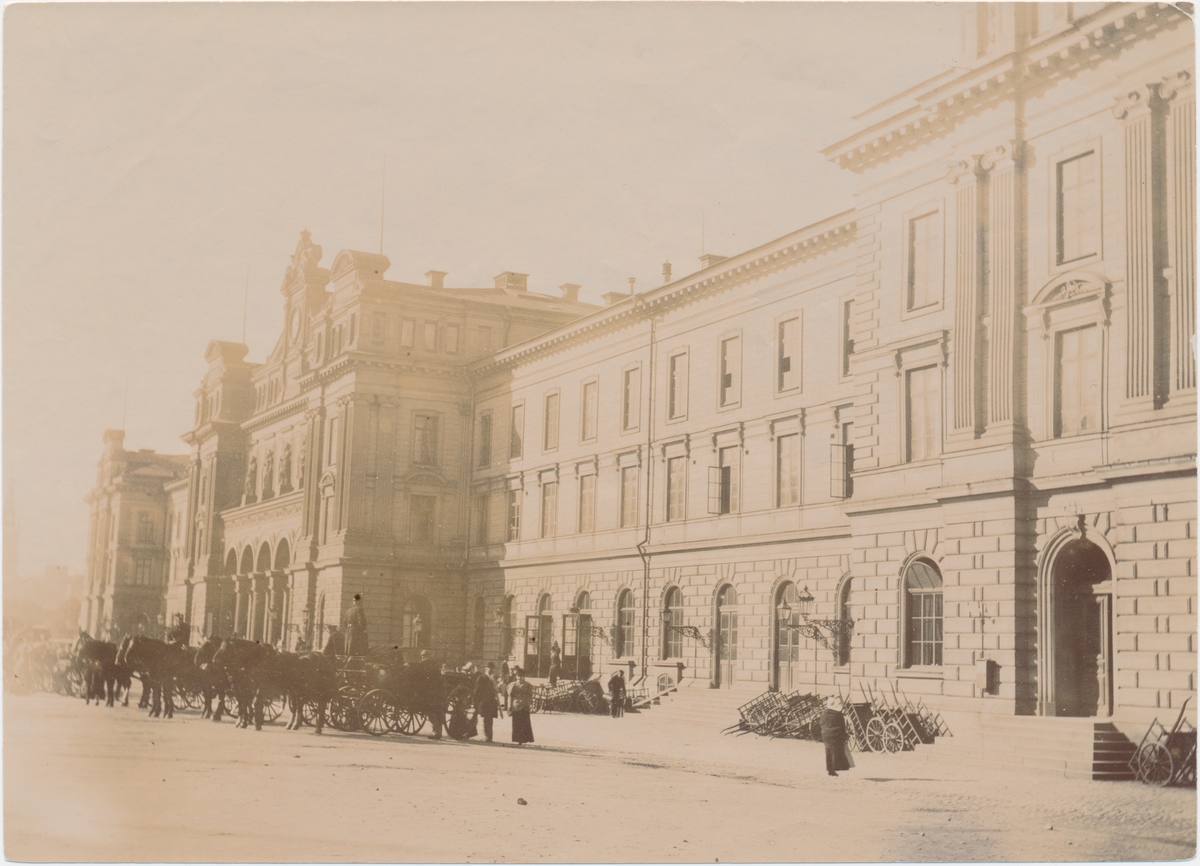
(531,646)
(545,640)
(1102,629)
(584,646)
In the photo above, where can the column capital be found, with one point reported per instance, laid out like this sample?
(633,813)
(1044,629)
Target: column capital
(1000,157)
(1136,103)
(962,171)
(1179,84)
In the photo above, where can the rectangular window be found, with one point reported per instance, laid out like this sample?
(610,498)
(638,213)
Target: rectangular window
(516,441)
(631,399)
(550,428)
(677,386)
(333,440)
(407,330)
(1078,190)
(429,336)
(841,464)
(847,336)
(452,339)
(587,503)
(514,515)
(787,470)
(141,571)
(629,496)
(421,515)
(921,415)
(925,628)
(145,533)
(549,509)
(483,506)
(723,482)
(485,439)
(676,488)
(591,392)
(731,371)
(925,265)
(788,361)
(425,439)
(1078,382)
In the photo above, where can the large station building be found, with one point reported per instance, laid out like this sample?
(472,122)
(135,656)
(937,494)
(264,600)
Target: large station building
(960,414)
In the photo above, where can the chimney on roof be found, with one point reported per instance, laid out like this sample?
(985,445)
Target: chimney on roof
(570,291)
(611,298)
(666,272)
(114,438)
(709,259)
(437,279)
(632,280)
(512,281)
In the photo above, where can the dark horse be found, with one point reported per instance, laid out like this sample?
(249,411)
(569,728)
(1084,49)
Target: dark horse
(161,665)
(101,673)
(214,681)
(260,673)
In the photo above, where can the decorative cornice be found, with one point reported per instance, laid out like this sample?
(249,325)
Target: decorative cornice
(262,512)
(257,422)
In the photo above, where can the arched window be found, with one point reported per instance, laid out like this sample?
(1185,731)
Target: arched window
(477,630)
(584,600)
(922,614)
(544,605)
(623,645)
(673,616)
(415,624)
(842,648)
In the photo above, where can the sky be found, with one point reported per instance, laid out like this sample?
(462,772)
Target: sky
(157,154)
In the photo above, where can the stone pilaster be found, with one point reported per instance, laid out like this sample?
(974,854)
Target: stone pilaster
(1179,93)
(965,417)
(1004,265)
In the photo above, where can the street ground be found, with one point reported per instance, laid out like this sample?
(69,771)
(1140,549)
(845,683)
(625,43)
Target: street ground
(98,784)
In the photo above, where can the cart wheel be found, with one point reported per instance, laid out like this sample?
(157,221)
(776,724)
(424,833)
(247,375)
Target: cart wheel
(1155,766)
(893,738)
(375,711)
(273,707)
(74,682)
(410,722)
(875,735)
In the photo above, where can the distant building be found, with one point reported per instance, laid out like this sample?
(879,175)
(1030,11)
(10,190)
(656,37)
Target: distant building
(957,419)
(127,555)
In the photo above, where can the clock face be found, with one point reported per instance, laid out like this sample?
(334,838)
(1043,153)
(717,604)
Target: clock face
(294,325)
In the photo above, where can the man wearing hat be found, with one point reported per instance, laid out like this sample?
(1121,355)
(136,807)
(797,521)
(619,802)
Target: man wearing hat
(485,700)
(356,628)
(431,692)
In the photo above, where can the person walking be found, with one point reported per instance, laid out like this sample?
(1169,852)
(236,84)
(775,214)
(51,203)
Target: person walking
(833,735)
(431,692)
(356,628)
(520,701)
(555,664)
(616,692)
(485,699)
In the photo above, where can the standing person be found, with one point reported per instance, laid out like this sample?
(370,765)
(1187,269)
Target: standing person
(356,628)
(555,664)
(616,693)
(431,692)
(180,631)
(485,699)
(520,700)
(833,735)
(505,679)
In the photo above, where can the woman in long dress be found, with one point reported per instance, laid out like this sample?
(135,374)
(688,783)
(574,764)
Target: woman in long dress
(833,734)
(520,700)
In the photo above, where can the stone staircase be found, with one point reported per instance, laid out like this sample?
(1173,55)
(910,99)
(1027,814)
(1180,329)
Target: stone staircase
(1070,747)
(714,709)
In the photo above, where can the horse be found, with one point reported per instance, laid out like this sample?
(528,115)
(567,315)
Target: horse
(98,661)
(260,673)
(214,682)
(160,664)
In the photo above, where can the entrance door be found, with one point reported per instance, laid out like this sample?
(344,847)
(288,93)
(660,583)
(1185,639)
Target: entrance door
(531,646)
(787,640)
(1083,670)
(584,646)
(726,643)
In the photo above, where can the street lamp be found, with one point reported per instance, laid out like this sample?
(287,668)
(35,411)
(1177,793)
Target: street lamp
(811,629)
(686,630)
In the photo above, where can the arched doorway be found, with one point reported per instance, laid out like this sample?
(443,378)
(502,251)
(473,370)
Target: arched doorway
(1078,666)
(539,635)
(577,653)
(725,646)
(787,639)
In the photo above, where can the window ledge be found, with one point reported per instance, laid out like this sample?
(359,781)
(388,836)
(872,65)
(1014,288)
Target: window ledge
(920,673)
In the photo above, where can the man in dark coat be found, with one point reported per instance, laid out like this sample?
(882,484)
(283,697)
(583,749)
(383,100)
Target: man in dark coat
(431,692)
(336,644)
(833,735)
(616,691)
(484,698)
(356,628)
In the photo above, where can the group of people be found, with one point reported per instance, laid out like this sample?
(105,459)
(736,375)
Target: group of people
(492,692)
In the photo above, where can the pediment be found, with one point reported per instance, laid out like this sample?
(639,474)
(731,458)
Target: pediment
(1069,288)
(425,479)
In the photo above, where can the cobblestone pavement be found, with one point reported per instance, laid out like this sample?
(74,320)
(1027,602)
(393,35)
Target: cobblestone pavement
(98,784)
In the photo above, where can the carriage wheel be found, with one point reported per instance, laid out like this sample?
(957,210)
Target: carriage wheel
(459,700)
(375,711)
(412,722)
(74,683)
(342,713)
(273,707)
(893,738)
(231,703)
(875,735)
(1155,766)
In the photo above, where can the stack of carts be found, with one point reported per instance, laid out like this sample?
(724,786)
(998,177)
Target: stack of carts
(775,714)
(882,724)
(1167,757)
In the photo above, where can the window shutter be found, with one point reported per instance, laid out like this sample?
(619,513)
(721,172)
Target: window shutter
(714,490)
(837,471)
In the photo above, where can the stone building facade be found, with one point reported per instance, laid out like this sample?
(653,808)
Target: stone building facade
(960,415)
